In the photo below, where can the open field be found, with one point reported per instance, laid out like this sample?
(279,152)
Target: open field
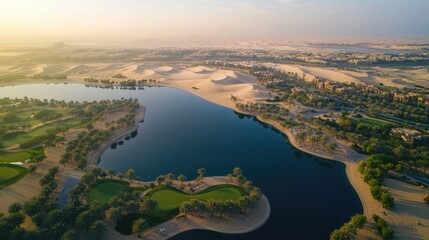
(15,138)
(21,156)
(105,189)
(25,118)
(10,174)
(375,122)
(169,198)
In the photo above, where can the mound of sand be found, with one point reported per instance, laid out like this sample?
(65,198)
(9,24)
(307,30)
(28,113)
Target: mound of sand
(110,67)
(200,70)
(54,69)
(78,69)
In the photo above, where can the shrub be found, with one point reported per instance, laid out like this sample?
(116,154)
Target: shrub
(382,227)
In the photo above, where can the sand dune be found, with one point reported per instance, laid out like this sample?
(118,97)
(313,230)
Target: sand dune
(78,69)
(54,69)
(387,76)
(200,69)
(109,67)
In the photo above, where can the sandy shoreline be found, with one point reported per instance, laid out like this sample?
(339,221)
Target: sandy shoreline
(139,117)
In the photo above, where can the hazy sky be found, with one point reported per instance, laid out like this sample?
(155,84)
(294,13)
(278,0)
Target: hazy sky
(223,18)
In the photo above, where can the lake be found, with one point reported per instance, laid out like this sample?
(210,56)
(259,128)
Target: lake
(309,196)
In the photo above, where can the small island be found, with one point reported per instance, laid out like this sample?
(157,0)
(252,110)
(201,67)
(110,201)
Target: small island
(168,206)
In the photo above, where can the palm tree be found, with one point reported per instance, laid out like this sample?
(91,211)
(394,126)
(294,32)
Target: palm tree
(97,172)
(247,186)
(139,226)
(111,172)
(331,147)
(69,235)
(138,178)
(130,173)
(181,178)
(32,168)
(160,179)
(147,205)
(120,176)
(113,214)
(97,229)
(229,177)
(201,172)
(38,159)
(237,171)
(170,176)
(241,179)
(185,208)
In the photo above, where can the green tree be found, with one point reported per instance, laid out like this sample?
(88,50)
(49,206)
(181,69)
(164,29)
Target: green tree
(181,178)
(139,226)
(111,173)
(201,172)
(120,176)
(147,206)
(15,207)
(237,171)
(130,173)
(97,229)
(32,169)
(69,235)
(160,179)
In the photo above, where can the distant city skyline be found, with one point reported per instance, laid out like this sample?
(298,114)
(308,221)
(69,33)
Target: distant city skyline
(140,19)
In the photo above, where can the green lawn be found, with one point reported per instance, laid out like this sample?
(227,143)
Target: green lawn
(170,198)
(25,117)
(15,138)
(6,157)
(10,174)
(375,122)
(103,190)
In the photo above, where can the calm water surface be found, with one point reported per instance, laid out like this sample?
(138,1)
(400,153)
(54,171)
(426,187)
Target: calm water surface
(309,196)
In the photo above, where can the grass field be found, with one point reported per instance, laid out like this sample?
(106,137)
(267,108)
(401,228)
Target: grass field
(103,190)
(15,138)
(6,157)
(25,117)
(170,198)
(375,122)
(10,174)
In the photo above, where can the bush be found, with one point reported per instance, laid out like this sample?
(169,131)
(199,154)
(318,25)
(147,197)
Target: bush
(382,227)
(357,221)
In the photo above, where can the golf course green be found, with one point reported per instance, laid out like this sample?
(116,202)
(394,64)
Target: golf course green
(21,156)
(169,198)
(10,174)
(103,190)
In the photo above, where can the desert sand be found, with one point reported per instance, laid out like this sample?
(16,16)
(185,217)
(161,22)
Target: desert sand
(391,77)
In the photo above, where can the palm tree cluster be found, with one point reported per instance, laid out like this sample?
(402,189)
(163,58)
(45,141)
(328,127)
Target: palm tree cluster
(211,207)
(349,228)
(50,221)
(317,138)
(77,150)
(221,208)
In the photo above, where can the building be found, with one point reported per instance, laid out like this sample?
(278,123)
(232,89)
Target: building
(409,135)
